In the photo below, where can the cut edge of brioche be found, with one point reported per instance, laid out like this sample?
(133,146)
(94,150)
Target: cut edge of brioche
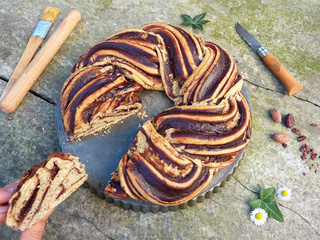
(42,188)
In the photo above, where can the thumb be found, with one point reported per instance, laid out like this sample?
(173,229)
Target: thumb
(36,231)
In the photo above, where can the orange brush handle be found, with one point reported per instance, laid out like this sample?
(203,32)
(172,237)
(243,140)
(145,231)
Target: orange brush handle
(291,85)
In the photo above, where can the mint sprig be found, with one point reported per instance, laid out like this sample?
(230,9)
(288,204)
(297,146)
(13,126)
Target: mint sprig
(196,22)
(267,203)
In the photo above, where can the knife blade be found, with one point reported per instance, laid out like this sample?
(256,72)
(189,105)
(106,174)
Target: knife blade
(291,85)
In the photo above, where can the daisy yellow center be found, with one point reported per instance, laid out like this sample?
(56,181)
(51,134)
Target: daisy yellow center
(259,216)
(284,193)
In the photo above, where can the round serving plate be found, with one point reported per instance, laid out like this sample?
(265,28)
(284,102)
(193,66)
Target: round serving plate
(102,152)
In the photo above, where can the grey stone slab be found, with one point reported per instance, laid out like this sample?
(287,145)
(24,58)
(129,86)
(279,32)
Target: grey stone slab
(289,30)
(27,137)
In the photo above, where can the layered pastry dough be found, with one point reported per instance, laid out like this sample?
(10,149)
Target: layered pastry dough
(42,188)
(176,153)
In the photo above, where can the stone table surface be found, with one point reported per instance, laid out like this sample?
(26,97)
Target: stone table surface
(289,29)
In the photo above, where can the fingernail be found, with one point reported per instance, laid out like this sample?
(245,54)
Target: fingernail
(10,189)
(3,209)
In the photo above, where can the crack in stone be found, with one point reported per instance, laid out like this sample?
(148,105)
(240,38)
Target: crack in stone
(301,218)
(265,88)
(280,205)
(87,220)
(308,101)
(221,205)
(273,90)
(41,96)
(244,185)
(49,100)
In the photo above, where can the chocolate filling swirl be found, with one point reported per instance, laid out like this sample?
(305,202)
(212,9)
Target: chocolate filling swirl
(176,153)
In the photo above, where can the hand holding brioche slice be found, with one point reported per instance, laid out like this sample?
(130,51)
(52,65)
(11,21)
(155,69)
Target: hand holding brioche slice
(42,188)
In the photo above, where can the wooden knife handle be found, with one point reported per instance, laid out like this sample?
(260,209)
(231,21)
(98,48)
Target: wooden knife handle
(15,93)
(291,85)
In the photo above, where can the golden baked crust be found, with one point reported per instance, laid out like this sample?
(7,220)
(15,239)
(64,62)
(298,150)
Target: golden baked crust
(176,153)
(42,188)
(95,97)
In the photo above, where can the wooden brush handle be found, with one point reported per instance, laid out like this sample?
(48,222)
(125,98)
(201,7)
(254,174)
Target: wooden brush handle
(291,85)
(31,48)
(15,93)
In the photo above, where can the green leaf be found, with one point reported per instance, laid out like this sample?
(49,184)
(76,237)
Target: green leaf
(196,22)
(204,22)
(198,26)
(267,195)
(273,211)
(199,17)
(267,203)
(255,203)
(187,20)
(271,208)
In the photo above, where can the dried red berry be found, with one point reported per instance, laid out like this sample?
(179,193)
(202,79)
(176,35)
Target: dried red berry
(304,148)
(301,138)
(310,151)
(314,156)
(297,131)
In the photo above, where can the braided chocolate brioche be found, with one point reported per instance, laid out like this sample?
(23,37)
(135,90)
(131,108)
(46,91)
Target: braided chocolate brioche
(176,153)
(42,188)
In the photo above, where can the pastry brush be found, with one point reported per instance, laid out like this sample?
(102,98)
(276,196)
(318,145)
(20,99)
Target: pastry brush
(47,18)
(15,92)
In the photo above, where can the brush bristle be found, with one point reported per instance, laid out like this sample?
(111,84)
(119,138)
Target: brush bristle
(49,14)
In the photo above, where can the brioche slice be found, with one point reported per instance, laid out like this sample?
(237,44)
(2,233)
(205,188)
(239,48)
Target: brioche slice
(42,188)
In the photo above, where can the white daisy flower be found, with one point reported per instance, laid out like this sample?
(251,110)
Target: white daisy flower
(259,216)
(284,193)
